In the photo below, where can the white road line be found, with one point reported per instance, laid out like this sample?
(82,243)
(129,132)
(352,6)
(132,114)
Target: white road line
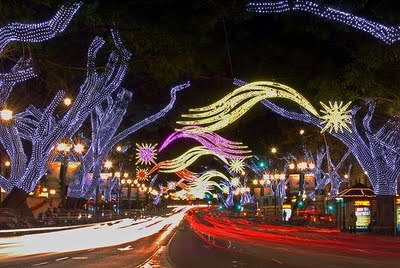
(42,263)
(79,258)
(277,261)
(63,258)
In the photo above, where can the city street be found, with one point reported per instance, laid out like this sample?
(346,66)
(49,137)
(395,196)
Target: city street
(203,239)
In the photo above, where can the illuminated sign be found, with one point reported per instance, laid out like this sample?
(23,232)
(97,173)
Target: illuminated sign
(363,217)
(362,203)
(398,219)
(397,201)
(287,206)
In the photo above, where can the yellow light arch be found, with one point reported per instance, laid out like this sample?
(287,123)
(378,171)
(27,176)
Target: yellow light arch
(231,107)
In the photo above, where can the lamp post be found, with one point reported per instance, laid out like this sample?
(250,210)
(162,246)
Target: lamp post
(64,149)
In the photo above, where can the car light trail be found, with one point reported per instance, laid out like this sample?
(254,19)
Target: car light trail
(94,236)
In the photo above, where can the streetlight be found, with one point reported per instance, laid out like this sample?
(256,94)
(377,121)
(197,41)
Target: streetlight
(6,115)
(67,101)
(274,150)
(108,164)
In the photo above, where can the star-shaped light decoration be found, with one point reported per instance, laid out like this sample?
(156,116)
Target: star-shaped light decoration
(142,174)
(235,181)
(236,165)
(146,153)
(171,185)
(336,116)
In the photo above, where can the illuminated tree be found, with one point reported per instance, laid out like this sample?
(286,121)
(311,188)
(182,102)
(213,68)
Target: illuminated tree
(387,34)
(36,126)
(105,123)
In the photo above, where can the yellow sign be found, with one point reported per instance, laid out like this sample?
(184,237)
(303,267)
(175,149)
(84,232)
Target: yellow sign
(397,201)
(287,206)
(362,203)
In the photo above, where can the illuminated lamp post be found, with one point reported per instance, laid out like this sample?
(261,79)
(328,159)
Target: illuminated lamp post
(6,115)
(64,149)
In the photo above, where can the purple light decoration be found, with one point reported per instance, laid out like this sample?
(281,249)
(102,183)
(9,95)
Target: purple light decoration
(212,141)
(387,34)
(146,154)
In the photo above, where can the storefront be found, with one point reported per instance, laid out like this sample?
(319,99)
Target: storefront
(359,199)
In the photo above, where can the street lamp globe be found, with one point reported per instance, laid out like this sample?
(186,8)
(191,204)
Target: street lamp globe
(52,191)
(7,163)
(126,175)
(123,181)
(6,114)
(108,164)
(63,147)
(67,101)
(292,166)
(274,150)
(79,148)
(119,148)
(117,174)
(129,181)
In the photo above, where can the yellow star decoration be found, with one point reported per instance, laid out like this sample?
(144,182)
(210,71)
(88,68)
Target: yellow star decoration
(235,181)
(236,165)
(336,116)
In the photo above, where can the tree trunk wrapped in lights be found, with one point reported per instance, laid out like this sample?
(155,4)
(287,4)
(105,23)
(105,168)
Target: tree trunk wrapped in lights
(387,34)
(44,131)
(10,135)
(105,124)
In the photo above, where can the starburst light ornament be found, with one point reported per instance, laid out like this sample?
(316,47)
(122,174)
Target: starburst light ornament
(236,165)
(146,153)
(235,181)
(142,174)
(336,116)
(171,185)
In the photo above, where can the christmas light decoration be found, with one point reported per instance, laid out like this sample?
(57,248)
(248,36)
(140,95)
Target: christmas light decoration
(377,152)
(212,141)
(235,181)
(171,185)
(236,165)
(142,174)
(387,34)
(105,138)
(227,110)
(39,32)
(187,175)
(336,117)
(185,160)
(204,184)
(146,154)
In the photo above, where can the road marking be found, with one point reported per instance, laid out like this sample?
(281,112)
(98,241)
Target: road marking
(277,261)
(61,259)
(125,248)
(79,258)
(42,263)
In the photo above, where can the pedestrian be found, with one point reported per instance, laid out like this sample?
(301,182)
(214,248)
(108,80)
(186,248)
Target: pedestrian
(284,215)
(352,222)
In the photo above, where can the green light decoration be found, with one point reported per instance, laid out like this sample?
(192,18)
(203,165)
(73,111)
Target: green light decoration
(230,108)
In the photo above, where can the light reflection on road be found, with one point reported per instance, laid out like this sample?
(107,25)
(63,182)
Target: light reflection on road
(94,236)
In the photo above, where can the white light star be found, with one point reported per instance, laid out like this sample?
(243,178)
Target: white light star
(236,165)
